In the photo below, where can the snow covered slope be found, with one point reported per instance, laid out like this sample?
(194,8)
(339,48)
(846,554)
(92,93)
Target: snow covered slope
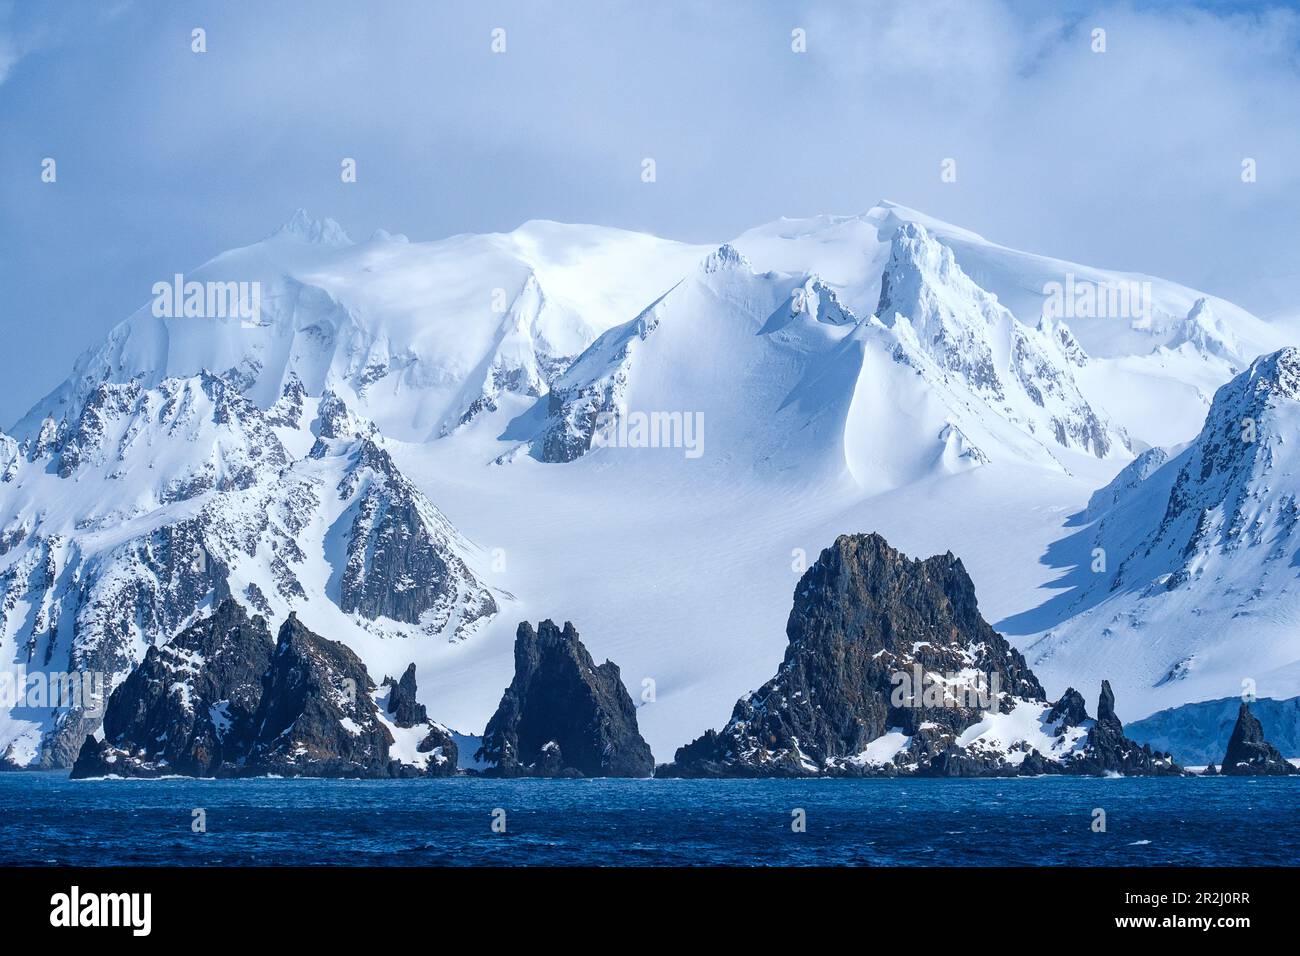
(1191,588)
(412,334)
(786,379)
(1152,370)
(884,372)
(159,502)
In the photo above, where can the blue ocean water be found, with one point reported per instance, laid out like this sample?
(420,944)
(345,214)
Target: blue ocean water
(45,819)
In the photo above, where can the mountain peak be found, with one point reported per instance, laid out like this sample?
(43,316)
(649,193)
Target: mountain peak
(913,243)
(1257,394)
(1206,333)
(1230,490)
(725,257)
(963,327)
(301,227)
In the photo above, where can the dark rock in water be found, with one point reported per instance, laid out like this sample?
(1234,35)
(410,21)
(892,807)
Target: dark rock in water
(406,711)
(189,707)
(317,717)
(1198,733)
(1249,754)
(863,615)
(1107,750)
(562,715)
(222,700)
(437,750)
(889,666)
(1210,771)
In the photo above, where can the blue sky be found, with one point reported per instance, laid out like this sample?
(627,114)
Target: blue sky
(1128,159)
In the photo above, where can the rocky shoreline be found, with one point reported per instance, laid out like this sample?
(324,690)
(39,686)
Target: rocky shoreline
(224,700)
(890,670)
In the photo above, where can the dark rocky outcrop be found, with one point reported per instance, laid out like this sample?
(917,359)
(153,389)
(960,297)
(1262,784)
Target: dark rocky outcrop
(1108,751)
(405,710)
(1070,709)
(562,715)
(400,561)
(317,717)
(1249,754)
(222,700)
(889,666)
(439,752)
(862,614)
(190,706)
(436,753)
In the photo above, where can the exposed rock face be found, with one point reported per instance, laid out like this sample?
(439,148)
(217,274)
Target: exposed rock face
(562,715)
(422,746)
(190,706)
(891,669)
(400,560)
(316,718)
(227,493)
(594,387)
(222,700)
(1249,754)
(405,710)
(862,613)
(1108,751)
(437,754)
(288,409)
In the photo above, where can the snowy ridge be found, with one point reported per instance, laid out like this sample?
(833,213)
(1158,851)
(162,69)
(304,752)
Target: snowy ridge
(1022,373)
(1206,538)
(988,384)
(161,502)
(407,332)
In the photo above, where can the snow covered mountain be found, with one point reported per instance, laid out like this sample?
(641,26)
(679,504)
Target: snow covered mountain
(157,503)
(415,336)
(643,435)
(939,379)
(1149,370)
(1195,547)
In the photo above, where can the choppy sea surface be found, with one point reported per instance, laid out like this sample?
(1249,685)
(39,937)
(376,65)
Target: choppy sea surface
(47,819)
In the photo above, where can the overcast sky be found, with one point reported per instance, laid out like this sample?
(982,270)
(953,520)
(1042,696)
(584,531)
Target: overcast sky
(1128,159)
